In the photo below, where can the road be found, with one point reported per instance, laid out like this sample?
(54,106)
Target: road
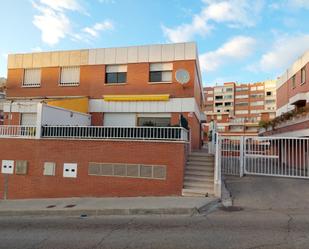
(249,226)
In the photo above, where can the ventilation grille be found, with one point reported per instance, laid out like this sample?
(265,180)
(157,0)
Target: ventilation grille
(127,170)
(21,167)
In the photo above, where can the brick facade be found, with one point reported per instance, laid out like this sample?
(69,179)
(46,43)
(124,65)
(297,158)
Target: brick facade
(36,152)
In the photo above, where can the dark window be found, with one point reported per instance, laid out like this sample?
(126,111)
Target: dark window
(155,76)
(116,77)
(268,93)
(154,121)
(303,75)
(294,81)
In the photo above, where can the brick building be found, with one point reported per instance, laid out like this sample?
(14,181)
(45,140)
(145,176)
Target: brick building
(237,109)
(292,117)
(102,122)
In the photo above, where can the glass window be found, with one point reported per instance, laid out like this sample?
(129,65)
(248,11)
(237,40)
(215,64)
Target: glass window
(154,121)
(160,72)
(116,74)
(293,81)
(70,76)
(303,75)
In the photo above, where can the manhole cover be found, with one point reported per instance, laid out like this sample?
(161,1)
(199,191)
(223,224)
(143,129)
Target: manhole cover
(232,209)
(70,206)
(51,206)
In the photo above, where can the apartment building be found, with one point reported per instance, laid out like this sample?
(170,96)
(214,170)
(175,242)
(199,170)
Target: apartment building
(2,98)
(292,86)
(101,122)
(237,109)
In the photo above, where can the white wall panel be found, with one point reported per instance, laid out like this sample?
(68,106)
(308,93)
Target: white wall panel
(143,54)
(58,116)
(132,54)
(121,55)
(179,51)
(21,106)
(155,53)
(100,56)
(92,56)
(168,52)
(190,51)
(110,55)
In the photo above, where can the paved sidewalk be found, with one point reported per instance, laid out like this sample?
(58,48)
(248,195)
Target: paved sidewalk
(107,206)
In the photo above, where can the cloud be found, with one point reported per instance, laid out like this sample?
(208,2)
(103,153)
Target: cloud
(237,48)
(52,20)
(97,27)
(235,13)
(284,51)
(299,3)
(54,23)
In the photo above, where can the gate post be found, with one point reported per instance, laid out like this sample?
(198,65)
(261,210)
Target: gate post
(241,156)
(217,175)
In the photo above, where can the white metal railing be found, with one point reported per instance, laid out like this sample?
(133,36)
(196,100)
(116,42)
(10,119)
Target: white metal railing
(268,156)
(107,132)
(277,156)
(17,131)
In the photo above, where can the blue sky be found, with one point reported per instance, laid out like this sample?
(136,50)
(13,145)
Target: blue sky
(238,40)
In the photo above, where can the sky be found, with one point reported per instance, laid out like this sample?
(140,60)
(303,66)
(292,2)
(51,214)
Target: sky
(238,40)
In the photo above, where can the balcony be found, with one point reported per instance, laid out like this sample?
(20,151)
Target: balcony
(96,132)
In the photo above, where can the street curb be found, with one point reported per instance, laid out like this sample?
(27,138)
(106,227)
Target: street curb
(227,200)
(81,212)
(122,211)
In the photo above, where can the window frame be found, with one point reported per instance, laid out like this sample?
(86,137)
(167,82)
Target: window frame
(293,81)
(32,85)
(303,79)
(69,84)
(160,72)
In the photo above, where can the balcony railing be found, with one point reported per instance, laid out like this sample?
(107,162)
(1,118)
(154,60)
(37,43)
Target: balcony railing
(105,132)
(17,131)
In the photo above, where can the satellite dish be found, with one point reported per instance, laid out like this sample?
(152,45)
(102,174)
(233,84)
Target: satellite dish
(182,76)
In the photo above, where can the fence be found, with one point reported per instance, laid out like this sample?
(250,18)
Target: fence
(17,131)
(269,156)
(104,132)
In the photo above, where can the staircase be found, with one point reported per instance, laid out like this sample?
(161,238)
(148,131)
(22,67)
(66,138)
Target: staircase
(199,175)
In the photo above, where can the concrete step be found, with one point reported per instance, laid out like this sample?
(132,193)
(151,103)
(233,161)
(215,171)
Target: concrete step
(200,168)
(199,178)
(196,192)
(201,174)
(196,184)
(202,154)
(200,163)
(201,158)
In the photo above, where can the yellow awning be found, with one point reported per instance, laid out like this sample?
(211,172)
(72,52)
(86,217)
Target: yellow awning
(78,104)
(152,97)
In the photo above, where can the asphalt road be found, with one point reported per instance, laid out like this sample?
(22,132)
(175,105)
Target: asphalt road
(251,226)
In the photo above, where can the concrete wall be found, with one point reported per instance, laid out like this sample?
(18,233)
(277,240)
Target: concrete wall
(36,152)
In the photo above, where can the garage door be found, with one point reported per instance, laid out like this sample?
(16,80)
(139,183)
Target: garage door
(28,119)
(119,119)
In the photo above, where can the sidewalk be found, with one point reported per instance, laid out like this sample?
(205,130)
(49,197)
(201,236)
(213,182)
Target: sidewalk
(107,206)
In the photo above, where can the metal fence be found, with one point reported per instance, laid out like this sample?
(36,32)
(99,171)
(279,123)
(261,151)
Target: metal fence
(104,132)
(17,131)
(286,157)
(268,156)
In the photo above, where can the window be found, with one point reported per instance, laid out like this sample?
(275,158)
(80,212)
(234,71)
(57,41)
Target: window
(219,97)
(242,104)
(257,103)
(69,76)
(242,96)
(229,89)
(293,81)
(228,104)
(268,93)
(116,74)
(228,97)
(270,101)
(154,120)
(32,77)
(239,89)
(210,99)
(261,95)
(303,75)
(241,112)
(161,72)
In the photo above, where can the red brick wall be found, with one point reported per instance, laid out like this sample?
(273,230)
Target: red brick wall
(97,118)
(36,152)
(92,82)
(15,118)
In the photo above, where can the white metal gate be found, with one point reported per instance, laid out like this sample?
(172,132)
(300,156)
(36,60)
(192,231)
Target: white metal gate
(269,156)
